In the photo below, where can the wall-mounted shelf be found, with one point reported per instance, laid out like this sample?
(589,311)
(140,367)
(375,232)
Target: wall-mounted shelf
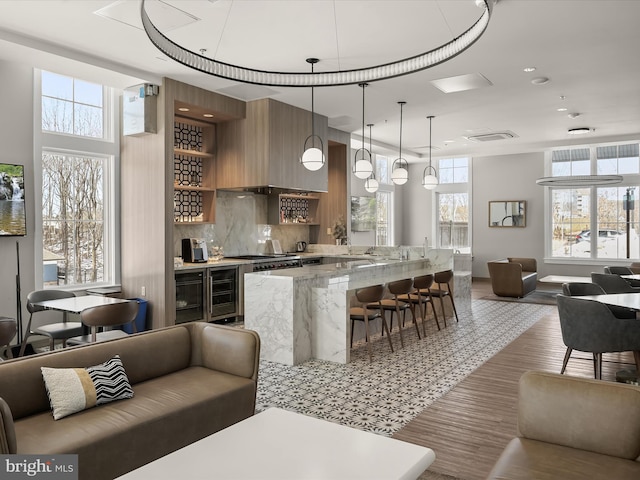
(194,173)
(287,209)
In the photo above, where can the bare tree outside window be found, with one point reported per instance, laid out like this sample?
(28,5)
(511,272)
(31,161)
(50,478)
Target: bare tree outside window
(73,215)
(73,184)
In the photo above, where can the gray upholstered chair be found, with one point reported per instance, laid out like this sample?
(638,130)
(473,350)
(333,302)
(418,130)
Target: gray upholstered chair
(55,331)
(8,328)
(111,315)
(589,326)
(612,283)
(616,270)
(368,312)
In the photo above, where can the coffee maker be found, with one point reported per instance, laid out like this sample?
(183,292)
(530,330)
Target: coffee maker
(194,250)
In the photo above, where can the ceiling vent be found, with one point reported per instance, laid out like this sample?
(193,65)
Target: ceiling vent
(490,137)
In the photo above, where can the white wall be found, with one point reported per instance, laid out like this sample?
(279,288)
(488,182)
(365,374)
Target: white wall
(16,138)
(507,177)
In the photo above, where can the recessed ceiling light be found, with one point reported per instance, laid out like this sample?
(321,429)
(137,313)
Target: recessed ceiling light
(529,69)
(562,109)
(449,141)
(183,109)
(461,83)
(573,115)
(540,80)
(579,131)
(208,115)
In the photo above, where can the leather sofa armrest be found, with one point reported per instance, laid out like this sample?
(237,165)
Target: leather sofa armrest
(231,350)
(593,415)
(506,279)
(7,430)
(528,264)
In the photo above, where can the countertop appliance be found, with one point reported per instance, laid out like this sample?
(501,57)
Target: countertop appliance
(301,246)
(194,250)
(262,263)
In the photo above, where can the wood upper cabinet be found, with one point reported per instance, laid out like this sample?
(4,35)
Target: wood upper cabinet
(265,148)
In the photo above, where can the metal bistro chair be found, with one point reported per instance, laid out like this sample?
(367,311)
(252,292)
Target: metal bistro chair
(365,313)
(589,326)
(55,331)
(111,315)
(399,289)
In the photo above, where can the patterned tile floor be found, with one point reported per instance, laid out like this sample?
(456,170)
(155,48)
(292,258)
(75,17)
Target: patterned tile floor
(384,395)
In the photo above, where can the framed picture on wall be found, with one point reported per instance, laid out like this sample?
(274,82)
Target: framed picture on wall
(363,214)
(507,213)
(13,217)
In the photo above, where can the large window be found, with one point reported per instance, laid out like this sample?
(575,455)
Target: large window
(596,222)
(452,204)
(453,221)
(72,106)
(383,218)
(78,189)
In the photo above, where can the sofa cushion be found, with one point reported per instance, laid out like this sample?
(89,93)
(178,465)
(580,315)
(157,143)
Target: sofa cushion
(530,459)
(166,413)
(72,390)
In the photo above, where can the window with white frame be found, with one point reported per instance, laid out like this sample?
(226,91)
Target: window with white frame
(453,170)
(78,189)
(597,222)
(453,209)
(383,217)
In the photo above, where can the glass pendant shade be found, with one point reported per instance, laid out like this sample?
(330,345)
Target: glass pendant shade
(400,167)
(312,159)
(371,185)
(430,182)
(312,156)
(362,167)
(429,177)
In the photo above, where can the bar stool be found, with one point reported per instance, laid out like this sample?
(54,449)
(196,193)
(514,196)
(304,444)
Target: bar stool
(421,296)
(396,305)
(368,296)
(444,279)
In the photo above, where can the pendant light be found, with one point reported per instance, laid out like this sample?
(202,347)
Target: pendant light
(362,166)
(429,177)
(371,185)
(400,167)
(312,156)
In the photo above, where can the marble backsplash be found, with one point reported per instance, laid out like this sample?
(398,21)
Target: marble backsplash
(241,227)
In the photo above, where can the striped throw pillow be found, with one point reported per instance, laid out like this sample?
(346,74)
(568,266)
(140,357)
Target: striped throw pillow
(72,390)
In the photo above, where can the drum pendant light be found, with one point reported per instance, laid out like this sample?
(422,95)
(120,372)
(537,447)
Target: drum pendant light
(400,167)
(312,157)
(429,177)
(362,166)
(371,185)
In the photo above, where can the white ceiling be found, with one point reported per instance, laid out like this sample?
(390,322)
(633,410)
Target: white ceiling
(587,49)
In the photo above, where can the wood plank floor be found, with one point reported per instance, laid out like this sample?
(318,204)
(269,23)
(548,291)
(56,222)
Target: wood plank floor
(469,426)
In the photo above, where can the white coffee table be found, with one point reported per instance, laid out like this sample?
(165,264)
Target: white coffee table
(281,445)
(564,279)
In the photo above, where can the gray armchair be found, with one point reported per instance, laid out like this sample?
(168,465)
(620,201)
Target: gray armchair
(618,270)
(513,277)
(612,283)
(589,326)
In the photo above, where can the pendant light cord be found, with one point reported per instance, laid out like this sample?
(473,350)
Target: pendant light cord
(400,157)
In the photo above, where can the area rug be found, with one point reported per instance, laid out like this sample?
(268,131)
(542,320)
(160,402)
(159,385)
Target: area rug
(541,297)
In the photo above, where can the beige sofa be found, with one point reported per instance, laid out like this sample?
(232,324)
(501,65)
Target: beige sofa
(513,276)
(573,428)
(189,381)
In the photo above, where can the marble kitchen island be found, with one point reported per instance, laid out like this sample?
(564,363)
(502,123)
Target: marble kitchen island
(303,313)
